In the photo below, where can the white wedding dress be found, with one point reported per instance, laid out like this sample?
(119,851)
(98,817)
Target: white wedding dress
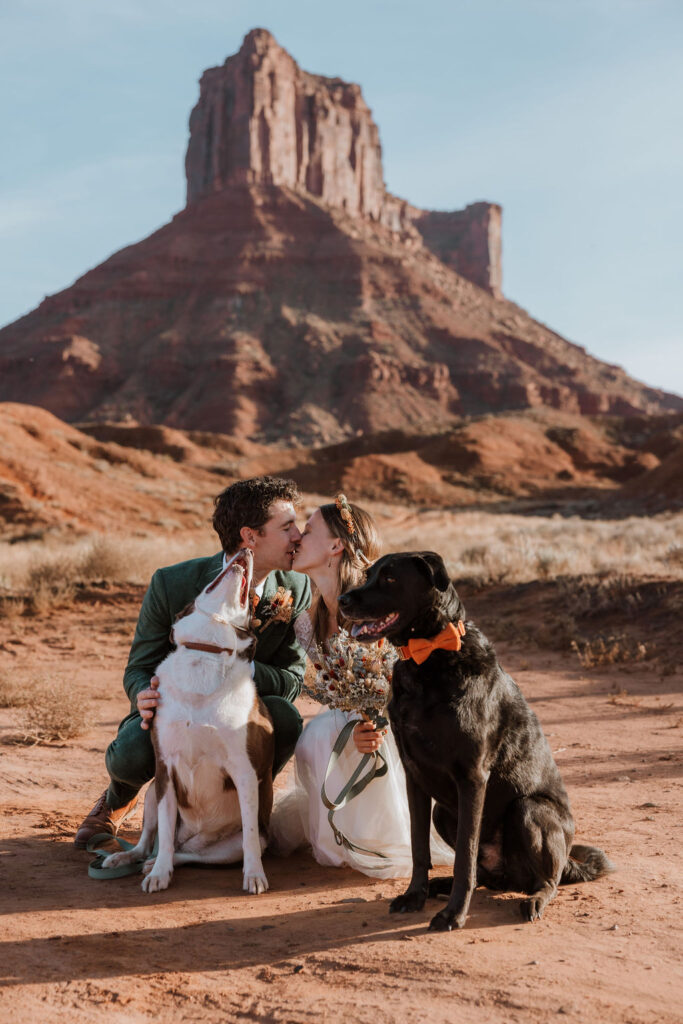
(377,819)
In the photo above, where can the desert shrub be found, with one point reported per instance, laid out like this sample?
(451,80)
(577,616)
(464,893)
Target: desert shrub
(610,650)
(50,712)
(12,608)
(106,559)
(12,691)
(583,595)
(551,562)
(473,555)
(50,583)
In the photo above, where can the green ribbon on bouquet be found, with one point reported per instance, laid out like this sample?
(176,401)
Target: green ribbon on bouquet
(353,787)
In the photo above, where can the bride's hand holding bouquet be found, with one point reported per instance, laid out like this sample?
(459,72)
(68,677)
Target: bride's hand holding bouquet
(351,676)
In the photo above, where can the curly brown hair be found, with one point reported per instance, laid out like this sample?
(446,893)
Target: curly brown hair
(361,549)
(248,503)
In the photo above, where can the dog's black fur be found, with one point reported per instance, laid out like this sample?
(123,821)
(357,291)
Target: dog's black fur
(469,741)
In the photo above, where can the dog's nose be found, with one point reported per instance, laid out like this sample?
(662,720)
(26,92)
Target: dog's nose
(343,601)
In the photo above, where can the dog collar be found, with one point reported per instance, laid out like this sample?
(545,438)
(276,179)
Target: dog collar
(209,648)
(449,639)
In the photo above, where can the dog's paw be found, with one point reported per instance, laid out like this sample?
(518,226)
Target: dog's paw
(117,860)
(255,882)
(445,921)
(148,865)
(532,909)
(156,881)
(408,902)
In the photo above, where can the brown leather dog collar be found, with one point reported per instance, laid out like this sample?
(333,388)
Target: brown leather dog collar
(449,639)
(209,648)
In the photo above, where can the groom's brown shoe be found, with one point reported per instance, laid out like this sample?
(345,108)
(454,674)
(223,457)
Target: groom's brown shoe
(102,818)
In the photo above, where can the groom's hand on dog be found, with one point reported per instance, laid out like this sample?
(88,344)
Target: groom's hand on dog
(147,701)
(366,737)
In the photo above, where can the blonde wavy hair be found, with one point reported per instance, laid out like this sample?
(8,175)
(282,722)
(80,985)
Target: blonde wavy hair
(361,549)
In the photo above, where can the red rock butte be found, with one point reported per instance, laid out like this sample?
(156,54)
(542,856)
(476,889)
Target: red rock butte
(294,299)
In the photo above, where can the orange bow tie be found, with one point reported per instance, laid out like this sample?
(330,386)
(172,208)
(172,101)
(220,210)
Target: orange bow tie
(449,639)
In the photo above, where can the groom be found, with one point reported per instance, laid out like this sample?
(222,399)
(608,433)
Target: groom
(258,514)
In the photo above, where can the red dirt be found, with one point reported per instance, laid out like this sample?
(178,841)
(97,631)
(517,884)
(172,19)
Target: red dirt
(320,945)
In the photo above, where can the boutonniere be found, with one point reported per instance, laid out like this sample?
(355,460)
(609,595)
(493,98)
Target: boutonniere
(278,609)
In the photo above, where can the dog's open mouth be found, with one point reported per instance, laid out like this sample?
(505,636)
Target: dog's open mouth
(369,629)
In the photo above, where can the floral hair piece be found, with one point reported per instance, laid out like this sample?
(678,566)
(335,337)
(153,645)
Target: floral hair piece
(345,512)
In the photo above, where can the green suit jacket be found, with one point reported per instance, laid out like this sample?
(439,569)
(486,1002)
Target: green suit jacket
(279,662)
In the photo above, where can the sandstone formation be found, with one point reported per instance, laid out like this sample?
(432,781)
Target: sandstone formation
(468,241)
(293,300)
(261,120)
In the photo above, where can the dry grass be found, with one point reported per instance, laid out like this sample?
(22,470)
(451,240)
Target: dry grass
(480,548)
(47,710)
(484,548)
(12,692)
(50,584)
(46,573)
(12,608)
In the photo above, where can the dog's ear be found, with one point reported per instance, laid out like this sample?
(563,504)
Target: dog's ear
(438,573)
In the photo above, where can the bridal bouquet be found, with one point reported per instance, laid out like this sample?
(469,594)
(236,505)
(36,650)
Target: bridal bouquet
(351,676)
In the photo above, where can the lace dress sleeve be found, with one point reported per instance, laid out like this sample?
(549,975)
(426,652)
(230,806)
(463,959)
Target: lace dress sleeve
(303,627)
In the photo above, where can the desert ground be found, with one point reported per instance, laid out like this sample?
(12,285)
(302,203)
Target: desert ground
(586,616)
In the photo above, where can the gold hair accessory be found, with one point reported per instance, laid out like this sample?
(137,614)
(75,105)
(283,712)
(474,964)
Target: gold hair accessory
(345,512)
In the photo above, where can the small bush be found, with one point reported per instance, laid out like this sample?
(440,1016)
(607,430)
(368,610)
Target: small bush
(50,583)
(12,692)
(12,608)
(106,559)
(610,650)
(583,595)
(50,712)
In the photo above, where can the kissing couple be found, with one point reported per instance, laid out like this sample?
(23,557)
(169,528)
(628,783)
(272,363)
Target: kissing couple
(330,556)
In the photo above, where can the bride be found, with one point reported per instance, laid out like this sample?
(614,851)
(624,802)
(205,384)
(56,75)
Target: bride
(339,542)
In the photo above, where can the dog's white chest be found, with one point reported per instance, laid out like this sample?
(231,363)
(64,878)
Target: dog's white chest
(204,710)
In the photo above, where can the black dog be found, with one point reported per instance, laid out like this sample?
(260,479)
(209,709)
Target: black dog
(469,741)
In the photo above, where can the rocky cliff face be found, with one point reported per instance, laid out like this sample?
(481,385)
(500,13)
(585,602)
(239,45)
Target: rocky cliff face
(293,299)
(468,241)
(261,120)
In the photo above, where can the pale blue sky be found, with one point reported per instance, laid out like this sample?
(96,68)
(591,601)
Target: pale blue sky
(569,114)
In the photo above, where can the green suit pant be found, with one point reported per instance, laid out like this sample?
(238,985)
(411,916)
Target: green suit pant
(130,756)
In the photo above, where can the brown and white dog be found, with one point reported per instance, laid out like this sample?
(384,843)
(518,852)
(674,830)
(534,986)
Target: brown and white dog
(213,738)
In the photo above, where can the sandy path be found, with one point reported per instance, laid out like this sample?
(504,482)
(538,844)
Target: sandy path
(320,945)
